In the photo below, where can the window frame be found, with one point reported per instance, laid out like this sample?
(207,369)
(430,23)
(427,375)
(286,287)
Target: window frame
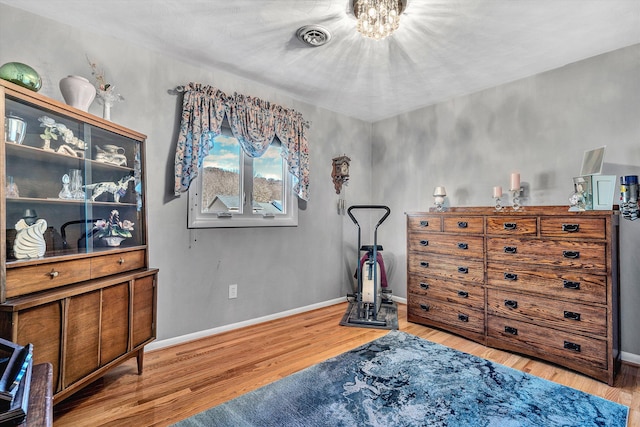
(198,219)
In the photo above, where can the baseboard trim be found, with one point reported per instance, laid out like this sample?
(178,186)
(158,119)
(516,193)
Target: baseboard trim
(630,358)
(156,345)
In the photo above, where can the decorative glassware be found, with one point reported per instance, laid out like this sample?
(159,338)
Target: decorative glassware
(65,193)
(515,200)
(12,188)
(14,129)
(497,194)
(76,184)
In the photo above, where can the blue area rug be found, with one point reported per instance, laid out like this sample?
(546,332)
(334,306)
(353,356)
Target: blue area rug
(403,380)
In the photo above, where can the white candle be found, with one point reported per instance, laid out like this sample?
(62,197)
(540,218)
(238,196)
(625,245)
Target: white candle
(497,191)
(515,181)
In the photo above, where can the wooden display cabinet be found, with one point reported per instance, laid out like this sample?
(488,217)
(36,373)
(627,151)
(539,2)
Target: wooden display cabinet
(85,304)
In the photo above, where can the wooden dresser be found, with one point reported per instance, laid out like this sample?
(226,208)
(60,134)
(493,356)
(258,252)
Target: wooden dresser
(542,281)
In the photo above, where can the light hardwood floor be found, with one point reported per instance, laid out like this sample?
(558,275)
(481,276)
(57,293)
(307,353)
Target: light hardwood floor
(186,379)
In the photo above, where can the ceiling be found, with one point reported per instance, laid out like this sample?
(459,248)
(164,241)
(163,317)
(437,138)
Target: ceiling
(443,49)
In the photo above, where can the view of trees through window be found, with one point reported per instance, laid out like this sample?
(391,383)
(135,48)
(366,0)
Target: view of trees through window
(222,181)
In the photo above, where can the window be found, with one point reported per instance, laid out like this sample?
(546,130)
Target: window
(235,190)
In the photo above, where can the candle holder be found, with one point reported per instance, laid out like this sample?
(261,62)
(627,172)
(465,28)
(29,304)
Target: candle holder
(498,204)
(515,199)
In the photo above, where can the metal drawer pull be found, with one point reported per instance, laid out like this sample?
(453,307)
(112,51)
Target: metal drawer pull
(424,242)
(425,307)
(463,294)
(511,330)
(572,346)
(571,254)
(571,315)
(424,264)
(510,249)
(571,228)
(511,303)
(424,223)
(53,274)
(121,261)
(424,285)
(571,285)
(463,317)
(463,246)
(463,270)
(511,276)
(510,225)
(462,224)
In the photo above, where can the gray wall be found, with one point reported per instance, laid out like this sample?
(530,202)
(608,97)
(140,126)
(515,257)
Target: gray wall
(276,269)
(539,126)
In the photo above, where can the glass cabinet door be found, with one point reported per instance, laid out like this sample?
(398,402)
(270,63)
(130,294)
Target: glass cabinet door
(73,185)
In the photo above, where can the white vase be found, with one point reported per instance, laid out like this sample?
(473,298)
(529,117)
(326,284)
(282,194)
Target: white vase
(77,92)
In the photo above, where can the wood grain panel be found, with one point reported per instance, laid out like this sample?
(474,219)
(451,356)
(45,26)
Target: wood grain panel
(564,315)
(82,339)
(573,227)
(520,226)
(42,326)
(538,340)
(462,293)
(424,223)
(117,263)
(114,324)
(143,310)
(468,270)
(461,246)
(26,280)
(564,284)
(455,315)
(548,253)
(463,224)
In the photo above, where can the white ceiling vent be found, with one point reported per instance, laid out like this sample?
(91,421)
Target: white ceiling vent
(313,35)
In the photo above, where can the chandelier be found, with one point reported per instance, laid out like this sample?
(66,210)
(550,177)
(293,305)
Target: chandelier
(377,19)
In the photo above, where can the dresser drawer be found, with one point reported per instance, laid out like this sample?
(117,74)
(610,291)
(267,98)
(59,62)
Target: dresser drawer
(542,341)
(464,246)
(520,226)
(424,223)
(550,312)
(562,284)
(36,278)
(471,296)
(447,268)
(584,228)
(107,265)
(447,314)
(548,253)
(463,224)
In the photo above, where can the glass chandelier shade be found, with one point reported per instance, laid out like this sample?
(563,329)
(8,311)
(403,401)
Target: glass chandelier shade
(377,19)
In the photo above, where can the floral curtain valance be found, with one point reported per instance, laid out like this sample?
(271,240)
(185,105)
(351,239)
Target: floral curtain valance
(253,122)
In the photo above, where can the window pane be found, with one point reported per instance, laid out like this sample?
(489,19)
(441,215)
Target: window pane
(221,184)
(268,189)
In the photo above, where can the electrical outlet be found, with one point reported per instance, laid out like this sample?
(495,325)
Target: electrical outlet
(233,291)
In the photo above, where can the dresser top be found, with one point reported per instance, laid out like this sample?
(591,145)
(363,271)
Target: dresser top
(508,211)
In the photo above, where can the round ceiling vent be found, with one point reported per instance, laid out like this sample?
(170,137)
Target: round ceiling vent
(313,35)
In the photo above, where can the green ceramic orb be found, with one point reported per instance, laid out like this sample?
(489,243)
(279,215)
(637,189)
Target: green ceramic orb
(21,74)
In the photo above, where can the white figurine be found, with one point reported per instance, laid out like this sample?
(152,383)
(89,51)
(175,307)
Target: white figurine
(30,241)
